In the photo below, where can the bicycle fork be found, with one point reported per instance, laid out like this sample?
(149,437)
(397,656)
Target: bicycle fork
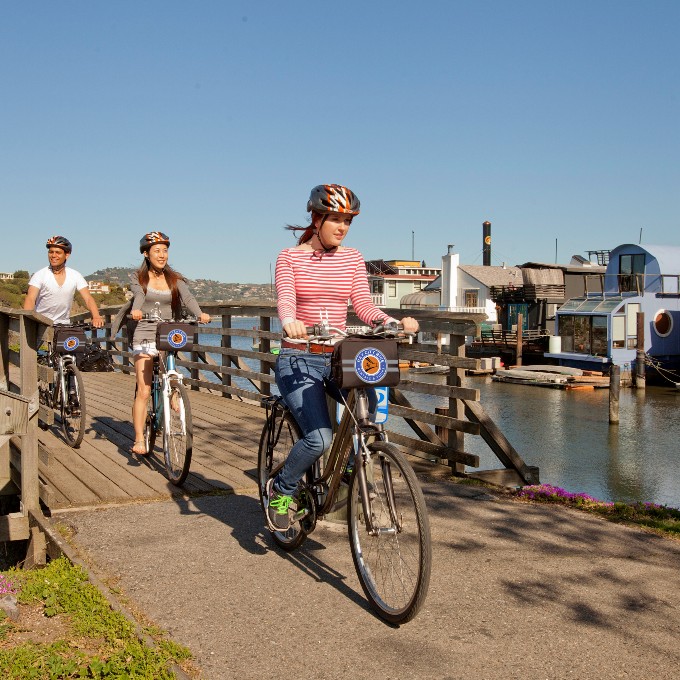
(367,499)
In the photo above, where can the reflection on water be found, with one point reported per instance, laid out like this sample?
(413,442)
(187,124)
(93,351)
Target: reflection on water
(567,435)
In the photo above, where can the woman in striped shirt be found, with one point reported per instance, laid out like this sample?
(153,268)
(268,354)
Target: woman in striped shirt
(314,282)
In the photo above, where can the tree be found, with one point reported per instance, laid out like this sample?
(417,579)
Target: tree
(21,274)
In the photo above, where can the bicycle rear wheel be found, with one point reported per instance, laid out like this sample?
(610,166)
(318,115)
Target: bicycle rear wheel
(178,435)
(273,451)
(73,406)
(393,562)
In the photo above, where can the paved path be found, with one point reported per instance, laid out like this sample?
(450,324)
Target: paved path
(517,591)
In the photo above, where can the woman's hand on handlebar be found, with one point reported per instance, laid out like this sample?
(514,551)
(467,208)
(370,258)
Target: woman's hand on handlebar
(295,330)
(136,314)
(410,325)
(204,318)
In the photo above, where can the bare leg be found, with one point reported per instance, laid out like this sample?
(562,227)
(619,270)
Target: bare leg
(144,372)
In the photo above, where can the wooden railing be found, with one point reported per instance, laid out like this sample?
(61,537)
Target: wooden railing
(19,410)
(247,374)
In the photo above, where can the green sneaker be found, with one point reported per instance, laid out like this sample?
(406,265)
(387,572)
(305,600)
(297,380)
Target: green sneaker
(277,508)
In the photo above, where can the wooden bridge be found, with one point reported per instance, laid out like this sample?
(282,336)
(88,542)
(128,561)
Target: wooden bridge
(49,476)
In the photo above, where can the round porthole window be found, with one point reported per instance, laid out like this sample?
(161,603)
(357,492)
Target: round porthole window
(663,323)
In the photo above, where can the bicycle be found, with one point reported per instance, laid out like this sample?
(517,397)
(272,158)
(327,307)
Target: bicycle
(388,526)
(66,394)
(169,408)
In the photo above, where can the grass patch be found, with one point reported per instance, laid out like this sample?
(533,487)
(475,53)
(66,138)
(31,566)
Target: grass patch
(94,641)
(660,518)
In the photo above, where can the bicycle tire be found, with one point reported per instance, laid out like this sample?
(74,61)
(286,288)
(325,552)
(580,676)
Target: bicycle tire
(393,568)
(72,406)
(178,435)
(290,432)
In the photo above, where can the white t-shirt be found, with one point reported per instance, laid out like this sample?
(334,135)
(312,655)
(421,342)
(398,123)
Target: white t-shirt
(55,301)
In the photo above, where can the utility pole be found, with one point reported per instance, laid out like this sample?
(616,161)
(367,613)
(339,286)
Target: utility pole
(413,245)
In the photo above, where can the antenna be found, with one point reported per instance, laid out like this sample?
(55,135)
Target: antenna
(413,246)
(640,241)
(555,251)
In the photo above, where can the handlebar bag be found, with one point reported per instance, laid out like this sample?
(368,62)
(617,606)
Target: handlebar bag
(365,362)
(69,339)
(174,336)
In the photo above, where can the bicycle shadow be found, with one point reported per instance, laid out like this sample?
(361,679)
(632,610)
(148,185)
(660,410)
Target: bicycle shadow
(243,514)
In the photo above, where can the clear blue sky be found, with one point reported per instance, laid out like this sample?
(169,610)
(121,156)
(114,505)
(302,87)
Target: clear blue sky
(211,121)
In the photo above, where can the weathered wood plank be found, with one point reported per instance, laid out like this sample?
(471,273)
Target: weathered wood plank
(434,419)
(451,392)
(451,360)
(434,450)
(499,444)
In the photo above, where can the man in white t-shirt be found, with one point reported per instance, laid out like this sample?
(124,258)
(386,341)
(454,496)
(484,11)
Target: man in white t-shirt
(52,289)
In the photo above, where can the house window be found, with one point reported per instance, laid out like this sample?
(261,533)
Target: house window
(619,331)
(631,271)
(377,286)
(471,297)
(583,334)
(663,323)
(392,289)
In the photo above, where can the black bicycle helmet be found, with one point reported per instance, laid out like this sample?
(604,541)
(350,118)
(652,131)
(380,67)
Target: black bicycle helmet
(333,198)
(151,239)
(59,242)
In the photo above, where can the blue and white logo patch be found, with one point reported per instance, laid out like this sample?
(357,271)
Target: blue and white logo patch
(370,365)
(177,338)
(71,343)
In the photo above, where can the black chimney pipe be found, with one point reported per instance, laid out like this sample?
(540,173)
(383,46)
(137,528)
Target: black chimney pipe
(486,246)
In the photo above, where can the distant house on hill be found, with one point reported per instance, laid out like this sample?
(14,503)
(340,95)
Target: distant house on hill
(98,287)
(6,276)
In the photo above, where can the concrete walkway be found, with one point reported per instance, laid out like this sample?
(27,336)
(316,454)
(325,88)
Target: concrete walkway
(517,591)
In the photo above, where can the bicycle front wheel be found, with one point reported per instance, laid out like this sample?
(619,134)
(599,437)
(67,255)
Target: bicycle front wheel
(392,557)
(274,449)
(178,435)
(73,406)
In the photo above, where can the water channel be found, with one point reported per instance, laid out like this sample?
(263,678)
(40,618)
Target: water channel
(567,434)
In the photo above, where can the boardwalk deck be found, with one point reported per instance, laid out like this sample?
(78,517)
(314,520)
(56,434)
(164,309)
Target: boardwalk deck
(102,471)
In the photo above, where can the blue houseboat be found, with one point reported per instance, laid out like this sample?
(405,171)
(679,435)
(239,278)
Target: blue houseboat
(600,329)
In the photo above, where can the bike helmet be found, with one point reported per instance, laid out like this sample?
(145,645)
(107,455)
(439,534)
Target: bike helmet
(333,198)
(152,239)
(59,242)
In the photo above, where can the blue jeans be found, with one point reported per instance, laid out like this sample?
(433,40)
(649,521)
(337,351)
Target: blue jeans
(303,380)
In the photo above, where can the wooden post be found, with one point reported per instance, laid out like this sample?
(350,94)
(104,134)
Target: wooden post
(225,359)
(640,354)
(195,373)
(614,389)
(28,369)
(520,322)
(265,344)
(4,351)
(456,407)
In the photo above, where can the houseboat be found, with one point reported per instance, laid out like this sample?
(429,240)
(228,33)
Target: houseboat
(599,329)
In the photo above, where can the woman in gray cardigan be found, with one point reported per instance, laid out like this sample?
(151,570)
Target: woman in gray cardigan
(155,285)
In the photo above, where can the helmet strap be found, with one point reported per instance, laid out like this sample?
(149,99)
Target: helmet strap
(317,233)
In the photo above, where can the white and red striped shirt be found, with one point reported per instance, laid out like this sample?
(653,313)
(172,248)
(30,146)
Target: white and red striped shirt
(310,284)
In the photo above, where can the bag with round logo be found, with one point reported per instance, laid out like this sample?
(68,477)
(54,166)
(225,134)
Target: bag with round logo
(365,362)
(69,339)
(175,336)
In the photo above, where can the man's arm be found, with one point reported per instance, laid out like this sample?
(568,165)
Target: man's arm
(91,305)
(31,297)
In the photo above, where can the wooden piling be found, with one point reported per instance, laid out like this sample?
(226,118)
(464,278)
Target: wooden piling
(640,354)
(520,323)
(614,390)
